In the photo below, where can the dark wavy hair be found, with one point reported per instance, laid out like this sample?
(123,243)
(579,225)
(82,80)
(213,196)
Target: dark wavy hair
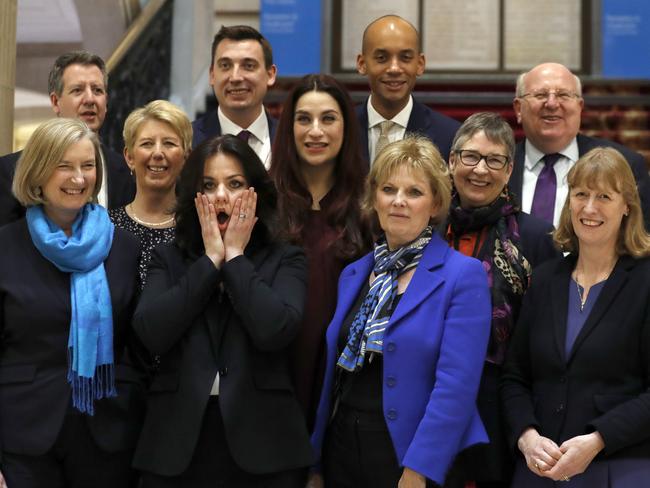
(188,228)
(295,201)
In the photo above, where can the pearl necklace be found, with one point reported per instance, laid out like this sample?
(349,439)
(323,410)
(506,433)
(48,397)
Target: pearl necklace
(164,223)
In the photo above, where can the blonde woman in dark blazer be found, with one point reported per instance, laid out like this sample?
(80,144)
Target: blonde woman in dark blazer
(575,382)
(71,400)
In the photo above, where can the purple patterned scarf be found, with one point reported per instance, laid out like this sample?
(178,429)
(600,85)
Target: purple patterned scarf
(507,268)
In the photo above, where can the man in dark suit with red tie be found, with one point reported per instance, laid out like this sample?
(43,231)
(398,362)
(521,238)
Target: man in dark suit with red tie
(392,61)
(241,72)
(548,105)
(77,87)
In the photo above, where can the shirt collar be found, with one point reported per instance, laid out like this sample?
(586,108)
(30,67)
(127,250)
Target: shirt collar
(401,119)
(259,128)
(534,155)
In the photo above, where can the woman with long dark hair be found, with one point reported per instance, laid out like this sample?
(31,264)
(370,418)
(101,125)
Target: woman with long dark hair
(319,172)
(220,307)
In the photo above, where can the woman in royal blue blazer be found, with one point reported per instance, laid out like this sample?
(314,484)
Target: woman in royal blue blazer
(405,348)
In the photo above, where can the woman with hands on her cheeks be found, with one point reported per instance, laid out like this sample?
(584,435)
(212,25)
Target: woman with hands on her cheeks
(220,307)
(575,382)
(406,346)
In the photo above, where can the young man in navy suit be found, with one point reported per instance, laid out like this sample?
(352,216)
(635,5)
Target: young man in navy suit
(241,72)
(391,59)
(77,87)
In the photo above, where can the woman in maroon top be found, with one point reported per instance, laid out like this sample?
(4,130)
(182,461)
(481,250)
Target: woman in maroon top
(319,172)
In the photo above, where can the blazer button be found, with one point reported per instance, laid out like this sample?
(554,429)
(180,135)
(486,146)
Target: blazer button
(223,371)
(559,408)
(391,414)
(562,379)
(390,347)
(390,381)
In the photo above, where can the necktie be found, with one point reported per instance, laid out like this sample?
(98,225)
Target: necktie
(544,198)
(244,135)
(385,127)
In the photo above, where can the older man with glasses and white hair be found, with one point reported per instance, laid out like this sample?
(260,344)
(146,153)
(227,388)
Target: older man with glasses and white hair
(548,105)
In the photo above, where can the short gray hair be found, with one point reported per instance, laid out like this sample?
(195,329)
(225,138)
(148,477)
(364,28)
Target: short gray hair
(496,129)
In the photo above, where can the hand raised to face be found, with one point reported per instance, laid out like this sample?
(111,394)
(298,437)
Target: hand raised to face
(212,240)
(240,226)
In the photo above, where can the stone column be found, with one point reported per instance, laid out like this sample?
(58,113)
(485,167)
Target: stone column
(7,73)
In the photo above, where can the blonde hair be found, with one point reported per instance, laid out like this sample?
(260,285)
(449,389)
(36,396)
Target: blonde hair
(162,111)
(44,151)
(416,153)
(605,167)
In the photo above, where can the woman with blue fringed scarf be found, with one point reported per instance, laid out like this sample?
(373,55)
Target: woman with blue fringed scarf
(70,398)
(405,348)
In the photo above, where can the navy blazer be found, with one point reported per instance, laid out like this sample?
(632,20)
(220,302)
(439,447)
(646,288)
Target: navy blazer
(586,144)
(35,323)
(237,320)
(434,347)
(603,384)
(208,126)
(121,186)
(439,128)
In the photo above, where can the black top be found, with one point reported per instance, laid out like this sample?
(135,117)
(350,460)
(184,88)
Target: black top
(362,390)
(149,238)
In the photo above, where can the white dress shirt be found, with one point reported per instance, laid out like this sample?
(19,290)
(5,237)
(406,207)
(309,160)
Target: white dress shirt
(260,139)
(396,133)
(533,165)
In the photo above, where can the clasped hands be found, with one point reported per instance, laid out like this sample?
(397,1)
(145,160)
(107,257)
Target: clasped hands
(238,233)
(545,458)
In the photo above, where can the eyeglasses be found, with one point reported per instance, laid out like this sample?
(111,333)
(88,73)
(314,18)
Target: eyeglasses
(562,96)
(472,158)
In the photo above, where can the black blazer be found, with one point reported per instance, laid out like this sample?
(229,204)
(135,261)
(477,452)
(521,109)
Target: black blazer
(35,323)
(208,126)
(586,144)
(439,128)
(242,333)
(121,186)
(603,384)
(493,461)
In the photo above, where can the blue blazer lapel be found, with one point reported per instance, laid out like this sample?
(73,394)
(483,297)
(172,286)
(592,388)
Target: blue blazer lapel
(617,279)
(425,279)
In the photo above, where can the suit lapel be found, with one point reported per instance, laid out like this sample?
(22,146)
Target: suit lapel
(362,117)
(614,283)
(273,124)
(584,144)
(424,281)
(559,301)
(517,177)
(419,120)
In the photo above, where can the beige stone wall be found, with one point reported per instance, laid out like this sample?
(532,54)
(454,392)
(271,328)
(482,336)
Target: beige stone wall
(7,73)
(235,12)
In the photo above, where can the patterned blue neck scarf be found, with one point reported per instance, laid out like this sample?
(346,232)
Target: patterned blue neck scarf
(367,329)
(90,344)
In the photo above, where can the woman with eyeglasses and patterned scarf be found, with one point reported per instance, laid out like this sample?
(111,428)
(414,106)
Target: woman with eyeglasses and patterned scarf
(485,222)
(407,342)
